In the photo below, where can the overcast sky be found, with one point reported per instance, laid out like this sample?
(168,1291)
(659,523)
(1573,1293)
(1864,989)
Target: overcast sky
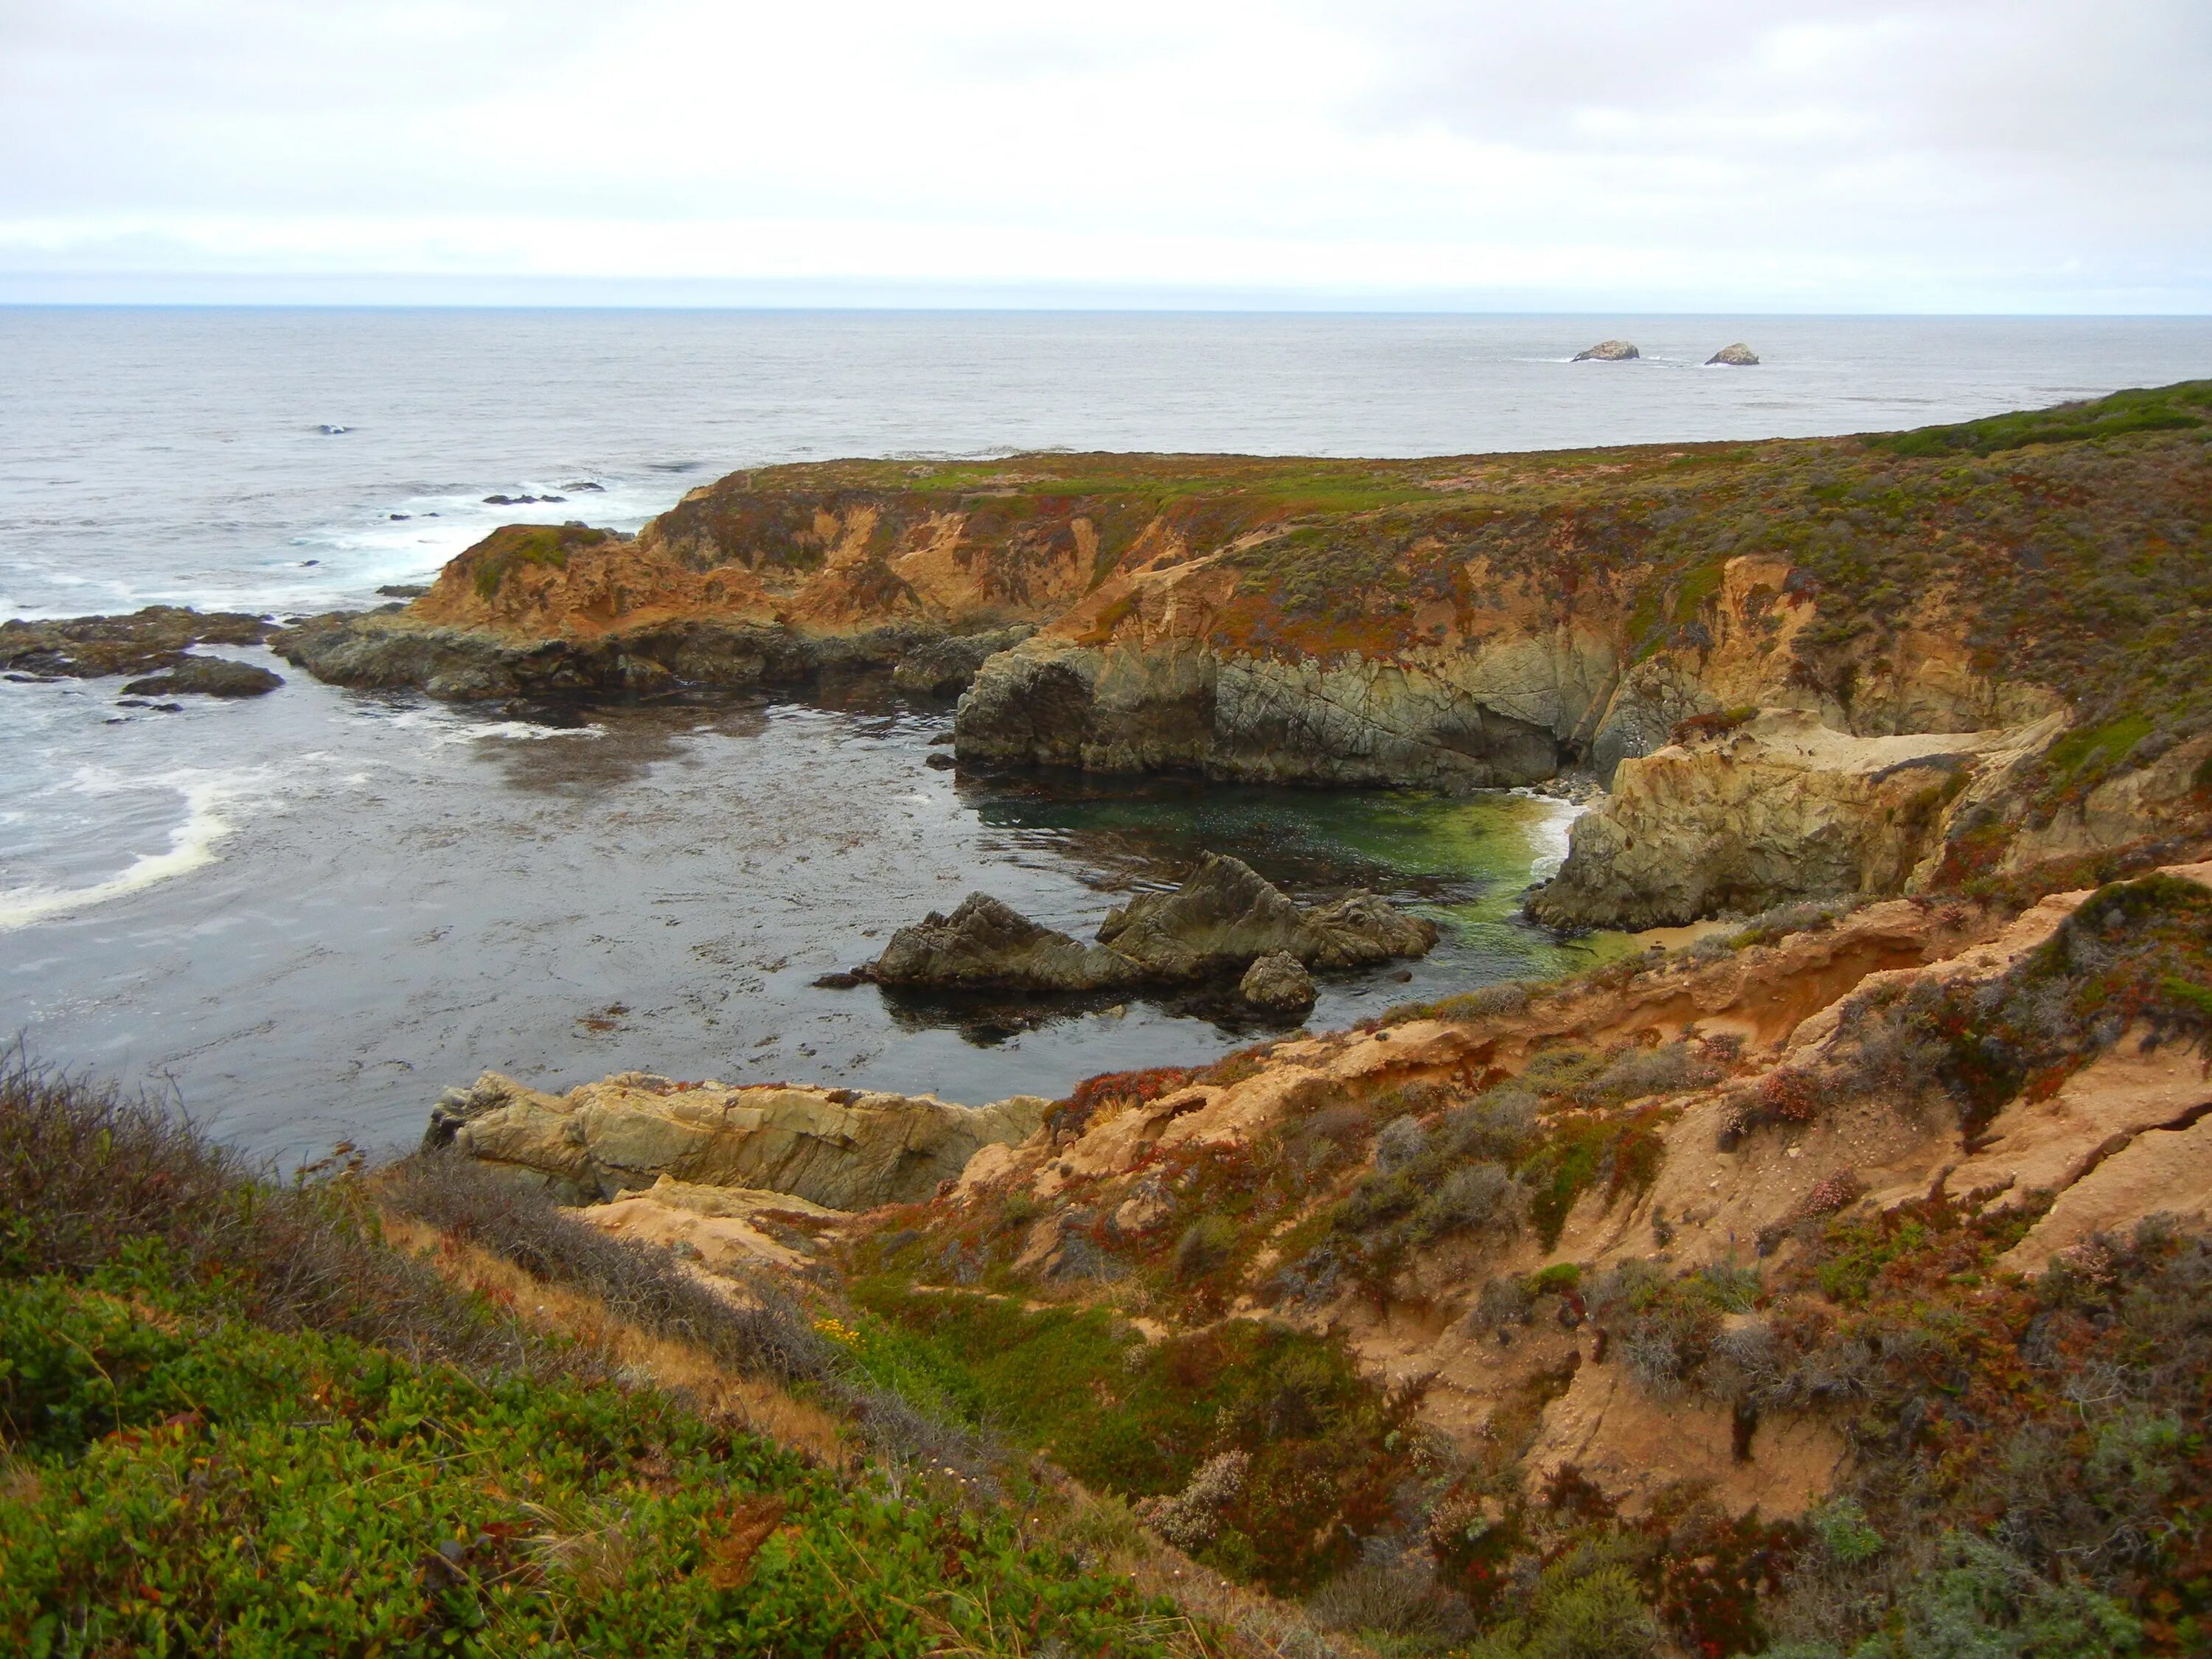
(1680,154)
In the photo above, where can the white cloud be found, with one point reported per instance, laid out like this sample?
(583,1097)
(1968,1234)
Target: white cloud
(1939,154)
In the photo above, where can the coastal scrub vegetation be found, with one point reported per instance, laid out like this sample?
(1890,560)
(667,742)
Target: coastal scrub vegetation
(517,546)
(2134,959)
(2070,543)
(233,1418)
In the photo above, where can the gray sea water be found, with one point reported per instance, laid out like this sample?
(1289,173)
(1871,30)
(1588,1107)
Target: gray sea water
(304,915)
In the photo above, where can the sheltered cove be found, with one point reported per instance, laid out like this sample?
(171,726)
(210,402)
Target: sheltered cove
(1718,1296)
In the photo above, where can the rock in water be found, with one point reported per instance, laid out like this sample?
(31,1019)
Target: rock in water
(987,944)
(1278,983)
(1738,356)
(1608,352)
(210,676)
(1227,915)
(140,643)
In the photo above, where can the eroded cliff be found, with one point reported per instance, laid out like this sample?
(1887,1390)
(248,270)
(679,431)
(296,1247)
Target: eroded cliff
(1470,622)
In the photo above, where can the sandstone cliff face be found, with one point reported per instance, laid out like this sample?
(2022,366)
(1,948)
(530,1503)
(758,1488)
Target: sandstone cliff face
(1475,621)
(835,1147)
(1780,807)
(2124,1138)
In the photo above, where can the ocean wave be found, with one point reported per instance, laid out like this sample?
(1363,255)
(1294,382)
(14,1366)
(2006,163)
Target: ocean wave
(191,846)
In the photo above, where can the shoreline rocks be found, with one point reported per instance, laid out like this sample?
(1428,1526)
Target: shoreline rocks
(1608,352)
(1226,916)
(946,667)
(987,944)
(144,641)
(1278,984)
(1771,807)
(840,1148)
(1224,919)
(1738,356)
(1493,717)
(207,676)
(392,650)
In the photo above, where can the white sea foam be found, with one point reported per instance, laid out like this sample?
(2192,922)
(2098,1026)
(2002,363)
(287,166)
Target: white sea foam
(1548,834)
(193,846)
(447,728)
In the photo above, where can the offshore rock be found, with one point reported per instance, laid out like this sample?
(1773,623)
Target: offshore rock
(1222,920)
(1227,915)
(987,944)
(1278,983)
(1738,356)
(1608,352)
(209,676)
(837,1148)
(86,648)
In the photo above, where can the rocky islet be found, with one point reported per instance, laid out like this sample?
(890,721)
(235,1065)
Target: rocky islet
(1223,920)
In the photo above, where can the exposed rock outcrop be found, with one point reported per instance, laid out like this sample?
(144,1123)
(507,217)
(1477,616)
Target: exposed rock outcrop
(1768,808)
(1491,717)
(985,943)
(1227,915)
(946,667)
(208,676)
(1738,356)
(1223,918)
(1608,352)
(142,642)
(1278,984)
(836,1147)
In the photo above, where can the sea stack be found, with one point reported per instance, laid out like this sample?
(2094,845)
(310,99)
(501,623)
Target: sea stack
(1738,356)
(1608,352)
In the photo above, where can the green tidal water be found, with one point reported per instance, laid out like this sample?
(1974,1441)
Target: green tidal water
(1463,861)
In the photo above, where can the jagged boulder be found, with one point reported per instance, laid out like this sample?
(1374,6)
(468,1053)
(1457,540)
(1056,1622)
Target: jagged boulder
(986,944)
(1608,352)
(1278,984)
(1227,915)
(838,1147)
(1222,920)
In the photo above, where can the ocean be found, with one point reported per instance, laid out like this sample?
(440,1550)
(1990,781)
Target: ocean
(303,916)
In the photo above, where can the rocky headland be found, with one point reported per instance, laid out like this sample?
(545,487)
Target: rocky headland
(1712,1242)
(2009,595)
(1829,1282)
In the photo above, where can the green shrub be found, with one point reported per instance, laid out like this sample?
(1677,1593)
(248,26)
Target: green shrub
(186,1480)
(1136,1419)
(231,1420)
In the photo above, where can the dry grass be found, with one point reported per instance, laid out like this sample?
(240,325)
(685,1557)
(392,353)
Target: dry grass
(671,1362)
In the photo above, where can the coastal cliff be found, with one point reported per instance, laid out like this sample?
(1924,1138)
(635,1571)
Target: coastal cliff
(1473,622)
(1744,1279)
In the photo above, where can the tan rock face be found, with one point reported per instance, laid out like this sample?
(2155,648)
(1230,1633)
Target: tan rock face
(1779,807)
(835,1147)
(1634,1448)
(727,1230)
